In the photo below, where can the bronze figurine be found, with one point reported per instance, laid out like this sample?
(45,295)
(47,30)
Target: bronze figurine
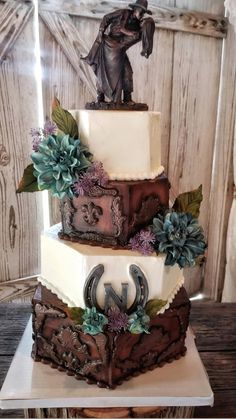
(118,31)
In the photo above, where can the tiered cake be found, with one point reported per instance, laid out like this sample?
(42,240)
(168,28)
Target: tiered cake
(103,311)
(111,302)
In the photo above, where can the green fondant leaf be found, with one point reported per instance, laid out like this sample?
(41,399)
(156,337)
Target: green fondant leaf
(64,120)
(76,314)
(200,260)
(153,306)
(189,202)
(28,182)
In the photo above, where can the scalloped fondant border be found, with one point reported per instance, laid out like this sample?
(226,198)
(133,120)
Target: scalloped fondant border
(67,301)
(56,291)
(137,176)
(171,296)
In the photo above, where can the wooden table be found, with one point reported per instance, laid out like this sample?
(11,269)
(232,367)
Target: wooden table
(215,328)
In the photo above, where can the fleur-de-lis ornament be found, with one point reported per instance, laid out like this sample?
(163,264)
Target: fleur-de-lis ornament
(92,213)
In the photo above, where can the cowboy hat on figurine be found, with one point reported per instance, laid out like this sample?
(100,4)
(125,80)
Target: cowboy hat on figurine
(142,4)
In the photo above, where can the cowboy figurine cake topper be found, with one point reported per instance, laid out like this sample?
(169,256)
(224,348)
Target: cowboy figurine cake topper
(118,31)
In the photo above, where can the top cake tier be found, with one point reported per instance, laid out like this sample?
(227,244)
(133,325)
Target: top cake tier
(127,143)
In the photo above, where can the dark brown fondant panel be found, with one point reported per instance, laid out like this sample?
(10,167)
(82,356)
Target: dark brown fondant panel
(93,214)
(110,216)
(108,358)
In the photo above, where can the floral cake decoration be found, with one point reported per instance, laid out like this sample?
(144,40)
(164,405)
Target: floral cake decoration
(65,167)
(93,322)
(61,163)
(175,233)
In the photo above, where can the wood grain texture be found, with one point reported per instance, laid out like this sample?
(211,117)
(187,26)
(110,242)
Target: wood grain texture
(5,362)
(13,18)
(194,110)
(193,122)
(62,80)
(159,68)
(14,318)
(216,340)
(191,22)
(59,76)
(20,215)
(213,326)
(170,18)
(119,412)
(221,194)
(72,44)
(208,6)
(18,289)
(223,364)
(224,406)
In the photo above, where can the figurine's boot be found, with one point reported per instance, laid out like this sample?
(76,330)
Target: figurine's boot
(100,97)
(128,98)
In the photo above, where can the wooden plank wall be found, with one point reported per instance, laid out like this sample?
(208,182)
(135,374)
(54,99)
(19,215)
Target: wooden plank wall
(221,192)
(20,215)
(184,79)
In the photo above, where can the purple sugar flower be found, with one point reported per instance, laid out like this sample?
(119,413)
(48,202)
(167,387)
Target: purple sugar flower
(94,176)
(38,134)
(84,185)
(49,128)
(147,236)
(98,174)
(35,143)
(78,189)
(37,137)
(143,242)
(96,168)
(117,320)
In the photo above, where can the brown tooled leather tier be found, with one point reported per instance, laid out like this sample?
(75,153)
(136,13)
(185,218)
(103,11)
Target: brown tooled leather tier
(110,216)
(106,359)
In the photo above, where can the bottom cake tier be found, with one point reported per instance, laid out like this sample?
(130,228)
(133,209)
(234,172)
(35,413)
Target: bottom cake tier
(106,359)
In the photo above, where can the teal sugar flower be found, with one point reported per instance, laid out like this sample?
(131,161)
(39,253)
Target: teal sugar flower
(57,163)
(93,321)
(139,321)
(179,236)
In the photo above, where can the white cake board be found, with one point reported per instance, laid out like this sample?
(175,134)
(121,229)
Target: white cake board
(30,384)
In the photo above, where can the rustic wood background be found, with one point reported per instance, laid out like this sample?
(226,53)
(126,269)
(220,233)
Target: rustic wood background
(20,215)
(190,78)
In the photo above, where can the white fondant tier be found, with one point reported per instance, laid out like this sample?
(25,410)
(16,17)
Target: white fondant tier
(66,266)
(128,143)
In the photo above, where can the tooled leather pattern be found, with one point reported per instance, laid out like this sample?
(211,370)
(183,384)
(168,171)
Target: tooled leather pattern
(98,358)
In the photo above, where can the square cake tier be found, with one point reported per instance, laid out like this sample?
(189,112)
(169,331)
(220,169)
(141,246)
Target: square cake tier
(107,358)
(128,143)
(111,215)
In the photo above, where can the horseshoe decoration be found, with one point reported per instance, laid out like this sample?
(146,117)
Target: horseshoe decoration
(90,288)
(141,286)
